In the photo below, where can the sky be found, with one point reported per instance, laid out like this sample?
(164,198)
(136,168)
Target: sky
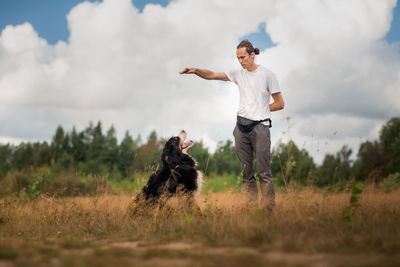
(117,61)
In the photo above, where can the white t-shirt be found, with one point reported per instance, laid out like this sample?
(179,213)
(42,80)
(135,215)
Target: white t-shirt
(255,89)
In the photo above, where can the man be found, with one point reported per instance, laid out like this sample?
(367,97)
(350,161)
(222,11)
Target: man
(256,85)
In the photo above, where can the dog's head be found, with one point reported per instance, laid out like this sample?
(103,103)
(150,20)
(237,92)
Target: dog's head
(178,143)
(175,149)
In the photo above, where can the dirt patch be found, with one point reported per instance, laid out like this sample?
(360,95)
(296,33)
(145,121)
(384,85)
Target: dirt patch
(6,264)
(177,246)
(185,254)
(127,244)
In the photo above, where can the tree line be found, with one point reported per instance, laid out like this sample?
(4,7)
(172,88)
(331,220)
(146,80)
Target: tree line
(92,151)
(375,160)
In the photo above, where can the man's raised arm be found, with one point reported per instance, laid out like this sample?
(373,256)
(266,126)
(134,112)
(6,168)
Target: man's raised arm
(206,74)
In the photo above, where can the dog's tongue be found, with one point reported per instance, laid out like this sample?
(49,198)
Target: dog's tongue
(187,144)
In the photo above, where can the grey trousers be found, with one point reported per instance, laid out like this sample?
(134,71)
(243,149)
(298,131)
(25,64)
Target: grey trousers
(257,142)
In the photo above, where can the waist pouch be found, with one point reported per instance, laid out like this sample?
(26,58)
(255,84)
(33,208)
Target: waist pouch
(246,125)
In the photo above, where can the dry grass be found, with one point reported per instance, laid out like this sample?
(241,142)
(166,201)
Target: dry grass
(308,227)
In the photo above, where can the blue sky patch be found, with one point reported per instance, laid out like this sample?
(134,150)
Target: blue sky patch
(140,4)
(260,38)
(394,33)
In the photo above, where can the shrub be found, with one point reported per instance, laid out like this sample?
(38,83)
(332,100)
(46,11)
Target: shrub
(391,182)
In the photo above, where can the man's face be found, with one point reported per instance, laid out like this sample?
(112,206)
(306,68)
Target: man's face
(244,58)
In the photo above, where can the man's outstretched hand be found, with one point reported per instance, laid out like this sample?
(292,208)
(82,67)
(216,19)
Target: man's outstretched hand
(206,74)
(188,71)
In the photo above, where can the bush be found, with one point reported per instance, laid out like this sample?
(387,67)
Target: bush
(215,183)
(30,183)
(133,185)
(72,184)
(391,182)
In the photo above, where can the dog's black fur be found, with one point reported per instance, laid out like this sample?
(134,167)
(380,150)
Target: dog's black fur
(177,175)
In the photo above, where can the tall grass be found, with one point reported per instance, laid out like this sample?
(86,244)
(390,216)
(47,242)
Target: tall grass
(304,220)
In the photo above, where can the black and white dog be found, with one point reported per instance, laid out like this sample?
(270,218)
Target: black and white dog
(178,175)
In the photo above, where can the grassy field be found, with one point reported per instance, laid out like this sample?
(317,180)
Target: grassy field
(310,227)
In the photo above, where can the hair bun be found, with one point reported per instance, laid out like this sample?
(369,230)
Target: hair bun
(256,51)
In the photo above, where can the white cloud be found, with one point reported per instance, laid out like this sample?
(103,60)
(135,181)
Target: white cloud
(121,67)
(337,72)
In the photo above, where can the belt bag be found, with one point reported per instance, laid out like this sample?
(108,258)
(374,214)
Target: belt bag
(246,125)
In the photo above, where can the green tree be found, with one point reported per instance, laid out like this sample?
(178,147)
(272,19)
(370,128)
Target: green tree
(111,148)
(291,163)
(96,146)
(95,149)
(327,171)
(5,158)
(225,159)
(41,154)
(344,163)
(370,163)
(23,156)
(390,139)
(148,156)
(335,168)
(201,154)
(78,146)
(59,143)
(126,154)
